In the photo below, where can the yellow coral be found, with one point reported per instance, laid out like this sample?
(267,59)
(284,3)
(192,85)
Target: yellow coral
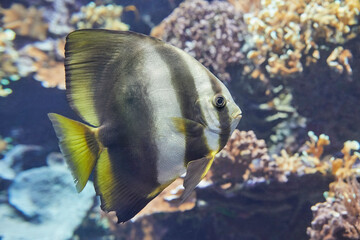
(25,21)
(92,16)
(342,168)
(49,70)
(285,31)
(309,161)
(51,74)
(246,6)
(339,59)
(288,163)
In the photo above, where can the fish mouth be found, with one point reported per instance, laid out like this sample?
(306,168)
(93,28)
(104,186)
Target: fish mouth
(237,115)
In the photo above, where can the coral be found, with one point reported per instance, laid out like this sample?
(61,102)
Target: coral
(213,33)
(51,74)
(45,59)
(246,6)
(25,21)
(342,168)
(58,16)
(289,35)
(316,96)
(232,164)
(339,59)
(92,16)
(8,56)
(287,121)
(246,158)
(338,217)
(307,162)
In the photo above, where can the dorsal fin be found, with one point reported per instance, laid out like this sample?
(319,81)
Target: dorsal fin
(88,53)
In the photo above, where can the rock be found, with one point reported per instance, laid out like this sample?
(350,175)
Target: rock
(19,158)
(48,205)
(22,157)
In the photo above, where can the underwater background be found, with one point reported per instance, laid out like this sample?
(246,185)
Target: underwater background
(290,170)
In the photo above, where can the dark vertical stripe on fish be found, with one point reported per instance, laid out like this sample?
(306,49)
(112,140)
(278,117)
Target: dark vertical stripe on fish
(223,114)
(128,128)
(187,96)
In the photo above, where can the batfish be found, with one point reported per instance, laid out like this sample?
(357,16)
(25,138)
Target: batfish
(152,113)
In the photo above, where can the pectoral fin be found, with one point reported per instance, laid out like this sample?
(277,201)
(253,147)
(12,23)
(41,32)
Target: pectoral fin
(196,170)
(187,127)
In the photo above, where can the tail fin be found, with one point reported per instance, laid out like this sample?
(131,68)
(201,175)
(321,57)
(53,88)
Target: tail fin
(79,145)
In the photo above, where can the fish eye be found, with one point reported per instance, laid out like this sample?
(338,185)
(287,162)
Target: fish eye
(219,101)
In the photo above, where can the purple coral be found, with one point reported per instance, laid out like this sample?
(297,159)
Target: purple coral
(213,33)
(338,217)
(232,164)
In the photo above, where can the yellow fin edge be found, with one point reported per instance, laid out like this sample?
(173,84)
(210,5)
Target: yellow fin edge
(160,188)
(208,166)
(79,145)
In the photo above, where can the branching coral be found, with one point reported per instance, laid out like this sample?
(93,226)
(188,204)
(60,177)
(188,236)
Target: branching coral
(309,161)
(342,168)
(246,6)
(246,158)
(45,59)
(338,217)
(25,21)
(57,14)
(287,34)
(92,16)
(213,33)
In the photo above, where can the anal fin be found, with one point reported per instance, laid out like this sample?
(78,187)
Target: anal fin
(196,170)
(118,192)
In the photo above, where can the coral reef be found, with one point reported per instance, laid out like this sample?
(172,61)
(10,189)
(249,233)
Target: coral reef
(338,217)
(25,21)
(213,33)
(92,16)
(246,6)
(289,35)
(246,158)
(45,59)
(327,98)
(58,16)
(342,168)
(232,164)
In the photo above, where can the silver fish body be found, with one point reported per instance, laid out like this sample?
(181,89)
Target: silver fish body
(156,113)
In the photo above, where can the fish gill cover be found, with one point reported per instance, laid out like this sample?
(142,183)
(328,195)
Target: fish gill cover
(290,65)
